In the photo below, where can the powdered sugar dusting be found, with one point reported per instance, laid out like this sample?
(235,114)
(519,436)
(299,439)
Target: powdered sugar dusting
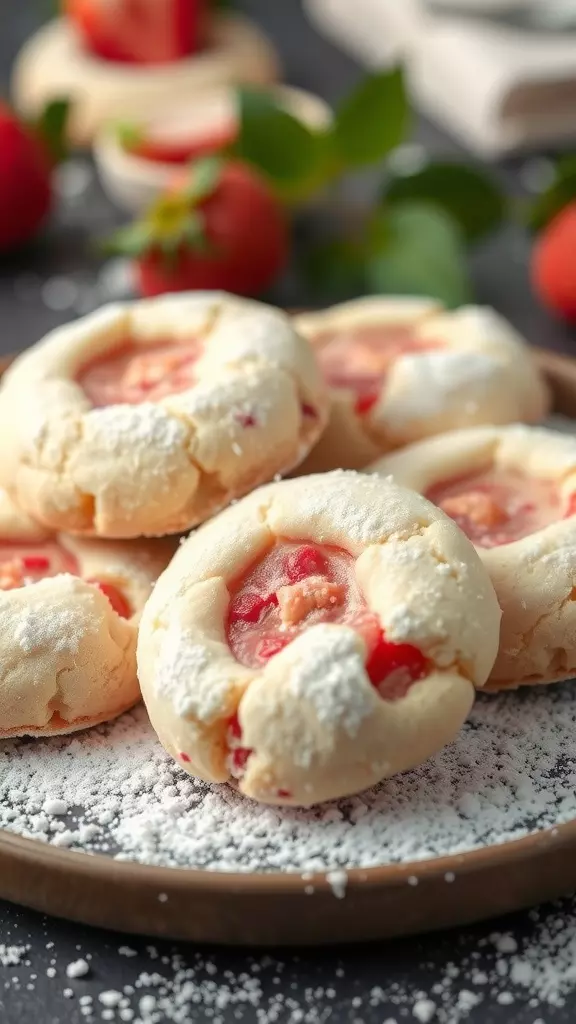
(188,675)
(120,426)
(430,377)
(329,673)
(33,630)
(501,779)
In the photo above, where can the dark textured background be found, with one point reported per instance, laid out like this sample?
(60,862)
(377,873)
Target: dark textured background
(26,992)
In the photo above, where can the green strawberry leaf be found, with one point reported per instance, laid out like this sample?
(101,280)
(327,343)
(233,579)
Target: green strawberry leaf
(418,249)
(372,120)
(134,240)
(51,127)
(469,195)
(204,177)
(561,192)
(129,136)
(278,144)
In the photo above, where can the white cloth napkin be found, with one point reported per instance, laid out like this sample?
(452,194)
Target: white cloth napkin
(496,87)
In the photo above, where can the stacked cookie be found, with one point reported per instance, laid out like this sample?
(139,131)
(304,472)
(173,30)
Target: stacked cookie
(323,632)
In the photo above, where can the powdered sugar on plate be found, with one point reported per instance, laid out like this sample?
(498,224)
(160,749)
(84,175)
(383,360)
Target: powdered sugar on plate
(510,772)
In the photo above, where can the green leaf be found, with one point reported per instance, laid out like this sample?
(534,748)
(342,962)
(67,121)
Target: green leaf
(418,250)
(278,144)
(372,120)
(470,196)
(204,177)
(133,240)
(561,192)
(129,136)
(51,126)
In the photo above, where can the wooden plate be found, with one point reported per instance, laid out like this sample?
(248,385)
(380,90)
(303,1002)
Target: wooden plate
(274,909)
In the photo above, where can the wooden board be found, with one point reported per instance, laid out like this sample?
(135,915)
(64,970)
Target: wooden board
(275,909)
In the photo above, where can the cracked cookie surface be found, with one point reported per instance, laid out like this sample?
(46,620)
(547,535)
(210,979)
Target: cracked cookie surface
(69,613)
(320,635)
(145,418)
(402,369)
(513,492)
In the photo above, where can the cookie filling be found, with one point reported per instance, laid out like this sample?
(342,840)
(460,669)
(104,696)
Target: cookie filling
(295,586)
(357,359)
(140,373)
(184,134)
(498,506)
(21,565)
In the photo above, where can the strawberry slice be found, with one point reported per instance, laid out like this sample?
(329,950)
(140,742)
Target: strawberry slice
(139,31)
(115,597)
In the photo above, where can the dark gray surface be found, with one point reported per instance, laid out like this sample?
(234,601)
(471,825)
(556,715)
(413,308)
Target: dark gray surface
(344,984)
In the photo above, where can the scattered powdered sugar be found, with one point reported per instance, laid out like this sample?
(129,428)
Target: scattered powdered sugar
(338,880)
(448,979)
(501,779)
(10,956)
(78,969)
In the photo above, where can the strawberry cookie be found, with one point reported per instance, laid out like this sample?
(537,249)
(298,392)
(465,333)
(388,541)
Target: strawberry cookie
(69,612)
(119,59)
(318,636)
(137,160)
(512,490)
(146,417)
(401,369)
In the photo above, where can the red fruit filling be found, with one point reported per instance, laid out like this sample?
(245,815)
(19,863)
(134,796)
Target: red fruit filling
(140,373)
(115,597)
(498,506)
(570,506)
(22,565)
(359,358)
(297,585)
(184,134)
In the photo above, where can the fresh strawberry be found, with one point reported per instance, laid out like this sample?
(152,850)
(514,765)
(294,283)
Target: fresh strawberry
(218,227)
(175,144)
(554,264)
(25,193)
(139,31)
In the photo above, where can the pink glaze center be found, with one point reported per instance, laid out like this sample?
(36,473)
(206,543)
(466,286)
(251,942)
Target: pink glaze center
(21,565)
(295,586)
(140,373)
(498,506)
(360,357)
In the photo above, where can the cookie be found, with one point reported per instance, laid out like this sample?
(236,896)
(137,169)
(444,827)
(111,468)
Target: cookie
(318,636)
(69,612)
(139,161)
(402,369)
(512,490)
(144,418)
(53,63)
